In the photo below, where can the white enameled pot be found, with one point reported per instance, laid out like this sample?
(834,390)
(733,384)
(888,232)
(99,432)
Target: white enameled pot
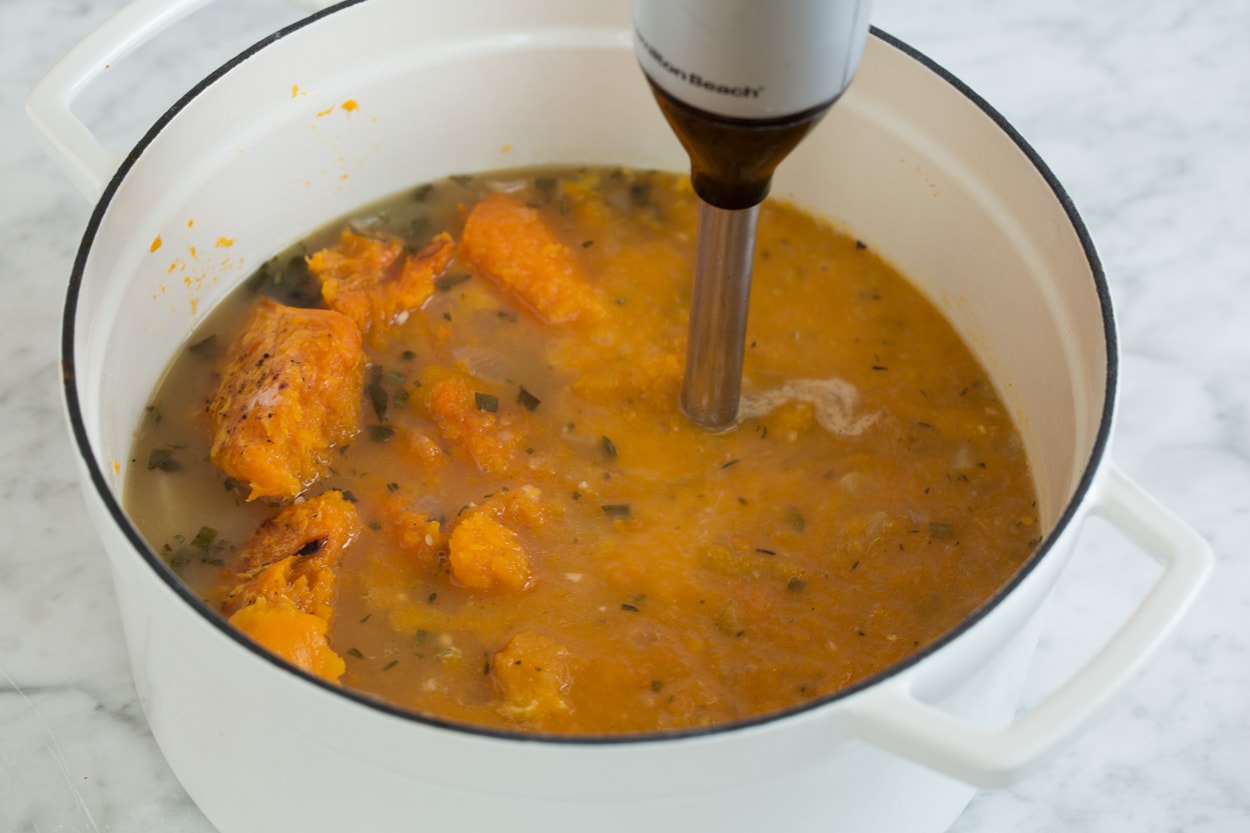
(369,97)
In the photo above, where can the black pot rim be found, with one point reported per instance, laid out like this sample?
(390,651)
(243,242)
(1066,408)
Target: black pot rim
(145,552)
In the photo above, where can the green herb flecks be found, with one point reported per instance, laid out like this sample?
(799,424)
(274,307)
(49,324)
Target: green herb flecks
(377,394)
(204,538)
(445,282)
(795,519)
(527,400)
(546,185)
(381,433)
(163,459)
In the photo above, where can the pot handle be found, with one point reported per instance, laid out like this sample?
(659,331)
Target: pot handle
(893,718)
(74,148)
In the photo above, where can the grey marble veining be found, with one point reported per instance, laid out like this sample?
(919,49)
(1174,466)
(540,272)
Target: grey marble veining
(1142,110)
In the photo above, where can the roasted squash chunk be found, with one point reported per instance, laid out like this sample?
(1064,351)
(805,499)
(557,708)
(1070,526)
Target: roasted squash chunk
(289,393)
(512,245)
(371,281)
(521,507)
(299,638)
(468,424)
(286,575)
(533,676)
(484,554)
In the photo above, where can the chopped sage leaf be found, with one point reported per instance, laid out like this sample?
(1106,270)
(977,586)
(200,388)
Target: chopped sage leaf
(616,510)
(527,400)
(204,538)
(486,403)
(378,398)
(445,282)
(608,447)
(940,530)
(795,519)
(381,433)
(163,459)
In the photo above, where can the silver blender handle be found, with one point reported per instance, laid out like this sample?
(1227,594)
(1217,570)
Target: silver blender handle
(740,82)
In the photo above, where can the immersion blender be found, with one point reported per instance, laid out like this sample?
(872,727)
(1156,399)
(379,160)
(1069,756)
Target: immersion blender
(741,82)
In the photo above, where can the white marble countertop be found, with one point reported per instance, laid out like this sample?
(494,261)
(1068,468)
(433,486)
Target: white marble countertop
(1142,109)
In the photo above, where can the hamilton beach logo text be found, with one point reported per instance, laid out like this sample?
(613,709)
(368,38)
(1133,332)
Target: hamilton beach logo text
(693,78)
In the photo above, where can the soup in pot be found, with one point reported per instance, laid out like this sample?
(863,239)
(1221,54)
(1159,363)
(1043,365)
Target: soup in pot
(435,454)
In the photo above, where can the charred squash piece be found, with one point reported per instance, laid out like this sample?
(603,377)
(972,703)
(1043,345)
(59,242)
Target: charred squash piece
(291,558)
(289,393)
(511,244)
(371,281)
(287,574)
(532,675)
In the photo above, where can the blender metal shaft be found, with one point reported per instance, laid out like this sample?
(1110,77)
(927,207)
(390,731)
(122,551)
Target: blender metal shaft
(741,82)
(718,315)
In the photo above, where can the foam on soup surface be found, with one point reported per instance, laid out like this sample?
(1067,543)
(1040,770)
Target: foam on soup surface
(435,454)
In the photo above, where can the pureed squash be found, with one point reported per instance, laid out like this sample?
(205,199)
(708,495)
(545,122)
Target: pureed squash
(434,454)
